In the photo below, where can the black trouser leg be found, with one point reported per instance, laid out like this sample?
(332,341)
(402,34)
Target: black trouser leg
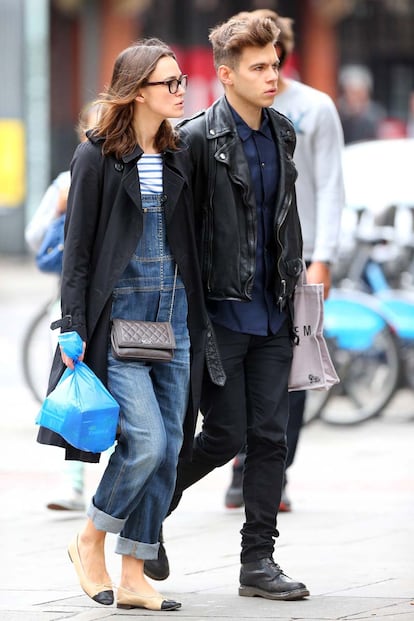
(253,404)
(297,401)
(224,416)
(267,372)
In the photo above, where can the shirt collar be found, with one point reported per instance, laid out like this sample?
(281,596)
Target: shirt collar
(245,132)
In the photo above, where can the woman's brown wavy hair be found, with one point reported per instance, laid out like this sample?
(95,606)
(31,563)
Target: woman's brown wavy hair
(132,69)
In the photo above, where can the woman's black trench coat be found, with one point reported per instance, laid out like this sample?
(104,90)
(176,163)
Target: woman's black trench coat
(103,225)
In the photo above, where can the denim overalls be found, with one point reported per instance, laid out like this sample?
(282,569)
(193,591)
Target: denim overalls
(135,491)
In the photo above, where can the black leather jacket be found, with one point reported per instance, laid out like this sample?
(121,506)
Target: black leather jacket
(226,206)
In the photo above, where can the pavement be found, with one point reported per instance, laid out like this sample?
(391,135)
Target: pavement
(350,536)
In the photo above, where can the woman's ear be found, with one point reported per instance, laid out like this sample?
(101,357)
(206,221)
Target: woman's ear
(224,74)
(140,98)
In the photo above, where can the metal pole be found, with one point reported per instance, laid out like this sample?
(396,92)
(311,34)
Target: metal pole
(37,98)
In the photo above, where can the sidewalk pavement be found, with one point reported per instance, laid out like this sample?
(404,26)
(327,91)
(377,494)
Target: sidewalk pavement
(350,536)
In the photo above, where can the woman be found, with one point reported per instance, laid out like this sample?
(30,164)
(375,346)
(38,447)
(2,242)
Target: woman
(130,253)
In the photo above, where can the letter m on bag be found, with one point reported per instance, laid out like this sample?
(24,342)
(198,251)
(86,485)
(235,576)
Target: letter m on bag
(307,330)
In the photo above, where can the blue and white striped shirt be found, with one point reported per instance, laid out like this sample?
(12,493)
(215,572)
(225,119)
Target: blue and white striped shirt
(150,173)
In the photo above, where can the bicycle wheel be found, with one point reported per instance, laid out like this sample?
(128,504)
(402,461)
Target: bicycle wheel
(398,307)
(369,379)
(314,404)
(407,354)
(37,352)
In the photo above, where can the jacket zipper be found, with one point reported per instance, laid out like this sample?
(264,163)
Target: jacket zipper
(282,292)
(212,148)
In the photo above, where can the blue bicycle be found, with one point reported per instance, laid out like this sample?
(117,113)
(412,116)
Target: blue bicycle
(398,306)
(365,350)
(370,331)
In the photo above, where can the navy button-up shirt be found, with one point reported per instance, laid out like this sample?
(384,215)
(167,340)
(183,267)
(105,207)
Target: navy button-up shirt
(261,315)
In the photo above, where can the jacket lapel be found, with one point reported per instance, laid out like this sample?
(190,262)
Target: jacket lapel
(130,182)
(172,179)
(173,185)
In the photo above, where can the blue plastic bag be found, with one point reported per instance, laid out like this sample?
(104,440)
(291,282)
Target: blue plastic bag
(49,257)
(80,408)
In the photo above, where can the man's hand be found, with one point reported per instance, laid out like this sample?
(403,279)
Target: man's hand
(319,272)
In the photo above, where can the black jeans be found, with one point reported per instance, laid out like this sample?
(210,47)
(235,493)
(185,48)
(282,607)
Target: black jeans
(252,406)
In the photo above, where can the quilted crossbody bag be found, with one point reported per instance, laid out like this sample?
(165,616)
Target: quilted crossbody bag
(152,341)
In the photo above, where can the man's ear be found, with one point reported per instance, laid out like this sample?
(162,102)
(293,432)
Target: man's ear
(225,75)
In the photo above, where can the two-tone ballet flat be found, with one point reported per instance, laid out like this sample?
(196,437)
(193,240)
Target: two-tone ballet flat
(129,599)
(100,593)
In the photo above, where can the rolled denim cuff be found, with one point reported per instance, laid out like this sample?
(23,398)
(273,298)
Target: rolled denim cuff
(105,522)
(137,549)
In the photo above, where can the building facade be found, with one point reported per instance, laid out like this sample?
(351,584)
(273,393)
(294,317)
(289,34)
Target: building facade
(58,55)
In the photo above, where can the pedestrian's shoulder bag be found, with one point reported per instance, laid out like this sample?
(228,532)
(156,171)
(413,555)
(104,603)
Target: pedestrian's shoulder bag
(50,254)
(312,367)
(144,340)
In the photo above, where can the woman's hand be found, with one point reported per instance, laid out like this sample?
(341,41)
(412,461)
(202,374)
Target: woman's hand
(68,361)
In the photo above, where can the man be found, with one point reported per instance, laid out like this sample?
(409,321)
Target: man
(320,199)
(360,115)
(251,256)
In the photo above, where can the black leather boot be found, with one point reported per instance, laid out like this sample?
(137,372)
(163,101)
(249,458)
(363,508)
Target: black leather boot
(264,578)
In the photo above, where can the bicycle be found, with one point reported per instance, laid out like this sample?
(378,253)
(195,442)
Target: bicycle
(398,306)
(366,355)
(381,263)
(37,350)
(370,375)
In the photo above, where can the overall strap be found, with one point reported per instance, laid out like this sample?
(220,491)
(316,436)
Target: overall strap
(173,293)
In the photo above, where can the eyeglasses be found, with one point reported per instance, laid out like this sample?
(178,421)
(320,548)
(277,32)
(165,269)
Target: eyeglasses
(173,85)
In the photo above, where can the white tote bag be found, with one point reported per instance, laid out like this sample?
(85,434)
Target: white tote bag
(312,367)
